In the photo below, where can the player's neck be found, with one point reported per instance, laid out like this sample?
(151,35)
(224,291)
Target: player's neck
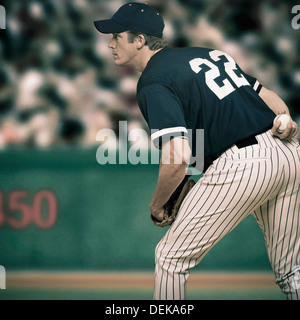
(143,58)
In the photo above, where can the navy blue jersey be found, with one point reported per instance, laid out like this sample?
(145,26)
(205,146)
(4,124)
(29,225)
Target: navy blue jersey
(200,88)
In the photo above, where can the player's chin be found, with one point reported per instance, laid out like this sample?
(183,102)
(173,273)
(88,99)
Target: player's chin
(119,62)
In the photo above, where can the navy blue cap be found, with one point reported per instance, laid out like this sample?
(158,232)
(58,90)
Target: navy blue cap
(133,16)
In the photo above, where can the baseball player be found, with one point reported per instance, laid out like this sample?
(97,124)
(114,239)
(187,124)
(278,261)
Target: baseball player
(249,167)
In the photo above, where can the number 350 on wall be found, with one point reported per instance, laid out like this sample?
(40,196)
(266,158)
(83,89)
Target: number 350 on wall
(16,212)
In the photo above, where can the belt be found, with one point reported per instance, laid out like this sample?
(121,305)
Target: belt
(246,142)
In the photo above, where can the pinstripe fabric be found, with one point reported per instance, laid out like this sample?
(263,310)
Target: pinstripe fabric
(262,180)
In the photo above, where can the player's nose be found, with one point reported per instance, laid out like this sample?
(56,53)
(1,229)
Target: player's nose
(112,44)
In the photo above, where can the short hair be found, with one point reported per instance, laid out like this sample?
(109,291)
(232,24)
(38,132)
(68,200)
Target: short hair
(154,43)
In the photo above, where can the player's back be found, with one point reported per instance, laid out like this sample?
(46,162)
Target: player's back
(201,76)
(213,93)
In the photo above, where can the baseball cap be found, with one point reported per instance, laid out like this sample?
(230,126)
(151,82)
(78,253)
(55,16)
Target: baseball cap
(133,16)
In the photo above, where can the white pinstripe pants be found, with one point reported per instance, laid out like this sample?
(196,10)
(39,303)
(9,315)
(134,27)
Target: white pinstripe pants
(262,180)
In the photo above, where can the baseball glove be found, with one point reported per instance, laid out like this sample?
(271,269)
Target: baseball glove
(171,208)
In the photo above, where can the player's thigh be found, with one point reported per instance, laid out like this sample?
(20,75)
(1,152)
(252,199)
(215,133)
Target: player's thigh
(279,219)
(218,203)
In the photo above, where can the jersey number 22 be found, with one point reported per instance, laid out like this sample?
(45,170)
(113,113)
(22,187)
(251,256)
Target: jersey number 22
(214,72)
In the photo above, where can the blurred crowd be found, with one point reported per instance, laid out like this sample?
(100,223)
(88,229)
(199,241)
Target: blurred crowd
(59,85)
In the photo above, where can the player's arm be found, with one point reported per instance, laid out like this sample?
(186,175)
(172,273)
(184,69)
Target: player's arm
(174,162)
(278,106)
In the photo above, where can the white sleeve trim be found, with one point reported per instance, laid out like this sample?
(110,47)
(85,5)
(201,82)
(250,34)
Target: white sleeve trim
(256,84)
(163,132)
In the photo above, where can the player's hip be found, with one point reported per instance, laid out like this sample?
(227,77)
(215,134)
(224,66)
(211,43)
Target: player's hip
(287,152)
(268,140)
(264,148)
(269,157)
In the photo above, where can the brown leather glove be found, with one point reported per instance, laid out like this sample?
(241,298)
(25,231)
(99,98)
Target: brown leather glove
(171,208)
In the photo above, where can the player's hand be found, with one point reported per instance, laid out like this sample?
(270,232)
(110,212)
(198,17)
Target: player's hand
(290,131)
(157,213)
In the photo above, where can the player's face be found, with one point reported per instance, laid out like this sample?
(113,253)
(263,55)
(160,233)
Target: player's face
(122,50)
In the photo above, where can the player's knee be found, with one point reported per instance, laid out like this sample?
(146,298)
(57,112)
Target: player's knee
(163,256)
(290,283)
(168,260)
(159,253)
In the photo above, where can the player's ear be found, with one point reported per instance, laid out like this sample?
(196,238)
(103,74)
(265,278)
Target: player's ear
(141,41)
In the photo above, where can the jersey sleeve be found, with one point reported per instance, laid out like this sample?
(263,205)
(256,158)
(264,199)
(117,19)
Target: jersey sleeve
(253,82)
(163,112)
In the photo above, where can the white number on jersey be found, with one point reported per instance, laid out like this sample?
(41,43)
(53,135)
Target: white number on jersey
(214,72)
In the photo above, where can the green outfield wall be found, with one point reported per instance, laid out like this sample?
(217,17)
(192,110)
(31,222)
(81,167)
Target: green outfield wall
(61,210)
